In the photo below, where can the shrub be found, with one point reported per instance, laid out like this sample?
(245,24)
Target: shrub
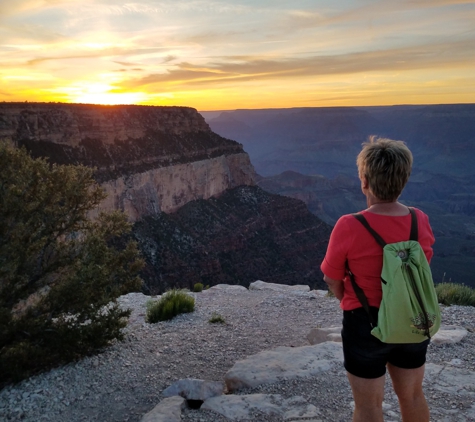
(198,287)
(216,319)
(455,294)
(60,271)
(171,304)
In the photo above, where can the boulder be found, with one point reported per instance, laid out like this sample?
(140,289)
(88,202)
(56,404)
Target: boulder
(194,389)
(449,334)
(168,410)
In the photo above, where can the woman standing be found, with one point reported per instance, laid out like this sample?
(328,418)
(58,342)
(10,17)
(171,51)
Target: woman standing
(384,167)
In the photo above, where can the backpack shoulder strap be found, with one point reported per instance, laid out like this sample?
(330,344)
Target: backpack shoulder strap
(361,218)
(361,297)
(414,227)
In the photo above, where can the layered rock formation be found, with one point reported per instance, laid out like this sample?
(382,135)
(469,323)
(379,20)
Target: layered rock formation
(326,198)
(148,159)
(198,216)
(244,234)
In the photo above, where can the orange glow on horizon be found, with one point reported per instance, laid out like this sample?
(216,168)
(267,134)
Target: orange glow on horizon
(227,55)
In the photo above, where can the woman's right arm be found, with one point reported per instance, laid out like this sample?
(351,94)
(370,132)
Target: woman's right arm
(334,263)
(335,286)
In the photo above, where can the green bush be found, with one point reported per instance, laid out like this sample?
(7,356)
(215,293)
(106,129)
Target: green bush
(216,319)
(171,304)
(455,294)
(198,287)
(60,271)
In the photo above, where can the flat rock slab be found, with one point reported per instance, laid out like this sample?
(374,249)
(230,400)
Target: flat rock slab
(235,407)
(230,287)
(283,363)
(449,334)
(446,378)
(168,410)
(321,335)
(262,285)
(319,293)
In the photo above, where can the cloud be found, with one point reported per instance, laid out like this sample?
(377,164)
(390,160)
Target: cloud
(101,53)
(124,63)
(382,8)
(169,58)
(241,68)
(437,3)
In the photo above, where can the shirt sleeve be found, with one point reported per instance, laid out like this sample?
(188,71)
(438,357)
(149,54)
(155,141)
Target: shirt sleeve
(426,236)
(334,263)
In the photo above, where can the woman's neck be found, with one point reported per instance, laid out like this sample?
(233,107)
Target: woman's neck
(378,206)
(393,208)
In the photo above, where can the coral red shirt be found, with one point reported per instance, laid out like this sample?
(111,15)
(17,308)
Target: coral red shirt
(350,241)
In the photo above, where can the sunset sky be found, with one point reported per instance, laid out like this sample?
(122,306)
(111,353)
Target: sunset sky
(216,55)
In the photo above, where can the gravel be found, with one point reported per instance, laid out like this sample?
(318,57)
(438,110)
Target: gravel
(125,381)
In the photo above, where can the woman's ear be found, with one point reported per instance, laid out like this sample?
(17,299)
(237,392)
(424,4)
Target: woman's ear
(364,183)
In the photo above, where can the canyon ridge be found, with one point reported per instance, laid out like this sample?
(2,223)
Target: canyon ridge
(198,214)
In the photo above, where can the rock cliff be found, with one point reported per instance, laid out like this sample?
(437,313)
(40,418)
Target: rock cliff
(148,159)
(198,216)
(244,234)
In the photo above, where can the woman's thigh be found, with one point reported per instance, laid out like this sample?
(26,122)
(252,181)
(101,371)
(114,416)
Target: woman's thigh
(365,356)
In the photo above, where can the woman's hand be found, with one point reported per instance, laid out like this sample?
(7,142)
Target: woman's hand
(335,286)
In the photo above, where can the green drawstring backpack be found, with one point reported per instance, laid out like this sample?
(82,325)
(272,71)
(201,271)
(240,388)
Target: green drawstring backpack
(409,311)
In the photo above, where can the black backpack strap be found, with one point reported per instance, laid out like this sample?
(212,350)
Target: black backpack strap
(361,297)
(414,227)
(358,290)
(377,237)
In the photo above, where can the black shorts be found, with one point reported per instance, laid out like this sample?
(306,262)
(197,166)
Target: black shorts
(366,356)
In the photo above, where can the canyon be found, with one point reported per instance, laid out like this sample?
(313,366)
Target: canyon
(192,196)
(147,159)
(310,154)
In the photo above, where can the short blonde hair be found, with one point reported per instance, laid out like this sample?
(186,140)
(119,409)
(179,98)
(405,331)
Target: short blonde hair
(387,165)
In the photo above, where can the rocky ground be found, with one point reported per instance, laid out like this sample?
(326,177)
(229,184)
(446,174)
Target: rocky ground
(126,380)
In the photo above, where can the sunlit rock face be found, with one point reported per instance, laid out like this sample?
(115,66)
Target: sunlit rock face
(148,159)
(169,188)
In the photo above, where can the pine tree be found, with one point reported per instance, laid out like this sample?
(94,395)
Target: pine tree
(60,270)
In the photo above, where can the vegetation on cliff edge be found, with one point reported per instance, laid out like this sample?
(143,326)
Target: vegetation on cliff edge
(60,271)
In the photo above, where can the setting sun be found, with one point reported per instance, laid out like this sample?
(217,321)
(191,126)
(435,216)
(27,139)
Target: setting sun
(227,55)
(102,94)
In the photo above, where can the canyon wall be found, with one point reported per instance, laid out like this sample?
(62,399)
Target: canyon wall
(290,147)
(245,234)
(148,159)
(198,216)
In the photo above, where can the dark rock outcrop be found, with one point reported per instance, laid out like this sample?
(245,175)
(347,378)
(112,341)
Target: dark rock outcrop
(243,235)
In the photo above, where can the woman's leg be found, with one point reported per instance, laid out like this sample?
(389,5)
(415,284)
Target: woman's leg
(407,384)
(368,394)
